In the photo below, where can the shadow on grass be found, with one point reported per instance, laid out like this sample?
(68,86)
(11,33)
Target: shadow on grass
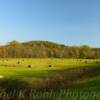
(61,79)
(12,83)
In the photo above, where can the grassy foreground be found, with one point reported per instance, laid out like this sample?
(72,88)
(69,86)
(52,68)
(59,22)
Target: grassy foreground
(50,79)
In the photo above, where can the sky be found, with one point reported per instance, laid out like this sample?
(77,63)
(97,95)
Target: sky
(69,22)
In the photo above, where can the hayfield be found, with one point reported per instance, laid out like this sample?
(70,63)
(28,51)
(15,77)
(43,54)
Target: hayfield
(52,79)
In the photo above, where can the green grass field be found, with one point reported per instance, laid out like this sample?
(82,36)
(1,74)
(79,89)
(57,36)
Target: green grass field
(62,78)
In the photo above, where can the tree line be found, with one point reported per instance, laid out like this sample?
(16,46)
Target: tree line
(46,49)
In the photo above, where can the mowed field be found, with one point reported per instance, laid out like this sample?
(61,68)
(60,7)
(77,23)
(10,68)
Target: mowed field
(63,79)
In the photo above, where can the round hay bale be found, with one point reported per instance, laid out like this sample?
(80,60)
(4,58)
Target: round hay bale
(50,65)
(18,62)
(29,66)
(97,61)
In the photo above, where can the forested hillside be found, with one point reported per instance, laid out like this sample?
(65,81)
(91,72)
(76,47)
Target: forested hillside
(45,49)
